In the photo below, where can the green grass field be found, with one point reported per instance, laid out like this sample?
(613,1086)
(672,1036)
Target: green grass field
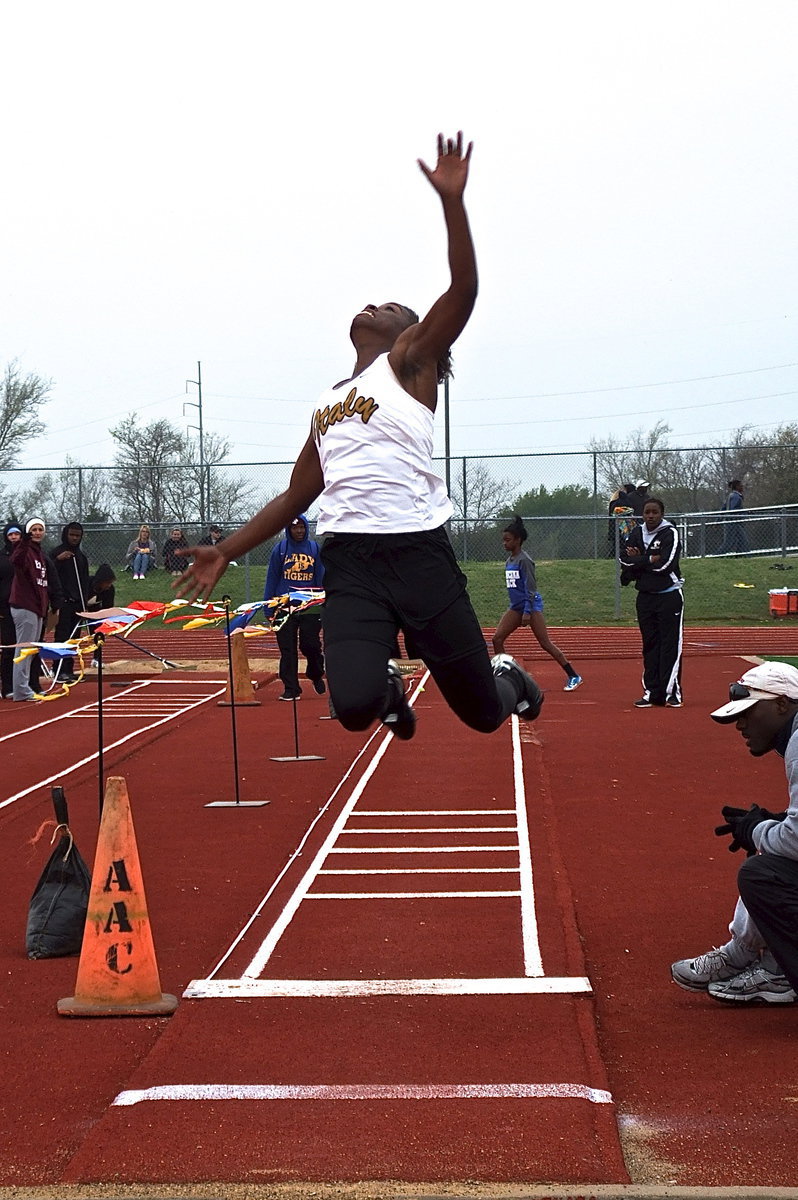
(575,591)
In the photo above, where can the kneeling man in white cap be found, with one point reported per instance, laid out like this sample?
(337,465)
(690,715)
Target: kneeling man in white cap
(760,961)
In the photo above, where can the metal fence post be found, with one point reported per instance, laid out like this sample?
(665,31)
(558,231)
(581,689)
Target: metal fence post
(617,568)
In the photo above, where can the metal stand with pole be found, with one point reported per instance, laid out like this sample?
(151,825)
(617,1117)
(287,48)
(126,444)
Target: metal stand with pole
(238,802)
(296,756)
(99,638)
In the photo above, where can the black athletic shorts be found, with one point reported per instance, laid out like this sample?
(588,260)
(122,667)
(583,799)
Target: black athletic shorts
(377,583)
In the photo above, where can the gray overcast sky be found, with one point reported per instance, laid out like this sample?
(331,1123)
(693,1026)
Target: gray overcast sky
(231,182)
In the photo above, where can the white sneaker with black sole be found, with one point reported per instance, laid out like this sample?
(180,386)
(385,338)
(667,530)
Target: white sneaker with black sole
(696,974)
(754,985)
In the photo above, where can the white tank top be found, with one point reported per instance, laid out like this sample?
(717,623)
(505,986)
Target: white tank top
(375,446)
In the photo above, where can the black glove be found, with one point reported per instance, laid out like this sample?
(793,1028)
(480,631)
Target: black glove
(740,823)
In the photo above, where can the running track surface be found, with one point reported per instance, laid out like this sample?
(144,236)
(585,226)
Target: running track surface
(424,1082)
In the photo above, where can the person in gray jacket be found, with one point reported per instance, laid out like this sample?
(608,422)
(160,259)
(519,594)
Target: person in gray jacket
(760,960)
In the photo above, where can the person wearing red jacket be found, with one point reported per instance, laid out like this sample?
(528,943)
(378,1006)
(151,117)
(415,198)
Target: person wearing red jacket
(34,590)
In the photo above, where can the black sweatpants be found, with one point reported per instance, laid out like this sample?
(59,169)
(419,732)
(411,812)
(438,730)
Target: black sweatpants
(768,886)
(378,584)
(303,627)
(660,616)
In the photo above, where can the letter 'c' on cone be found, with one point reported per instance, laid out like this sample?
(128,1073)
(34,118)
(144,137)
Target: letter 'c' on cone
(243,692)
(117,972)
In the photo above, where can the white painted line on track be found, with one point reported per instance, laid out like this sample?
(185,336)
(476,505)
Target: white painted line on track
(435,812)
(533,963)
(421,871)
(430,829)
(243,989)
(424,849)
(366,1091)
(403,895)
(64,771)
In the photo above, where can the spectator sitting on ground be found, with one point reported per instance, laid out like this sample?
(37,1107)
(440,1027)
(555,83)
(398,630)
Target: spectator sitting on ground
(213,536)
(141,553)
(102,593)
(175,563)
(760,960)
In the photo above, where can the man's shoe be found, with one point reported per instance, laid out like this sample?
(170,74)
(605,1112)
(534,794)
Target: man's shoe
(754,985)
(573,683)
(319,687)
(398,716)
(290,696)
(696,974)
(530,697)
(643,703)
(672,702)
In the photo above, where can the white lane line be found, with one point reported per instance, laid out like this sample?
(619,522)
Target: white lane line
(61,716)
(64,771)
(366,1091)
(238,989)
(420,871)
(434,812)
(533,963)
(380,730)
(402,895)
(431,829)
(277,930)
(425,850)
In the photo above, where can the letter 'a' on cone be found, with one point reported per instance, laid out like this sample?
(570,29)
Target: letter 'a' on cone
(243,692)
(117,972)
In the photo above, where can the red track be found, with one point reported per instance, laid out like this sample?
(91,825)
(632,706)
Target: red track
(628,876)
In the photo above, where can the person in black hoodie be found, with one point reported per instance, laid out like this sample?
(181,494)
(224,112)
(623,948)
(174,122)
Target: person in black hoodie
(650,557)
(102,593)
(12,533)
(73,573)
(295,562)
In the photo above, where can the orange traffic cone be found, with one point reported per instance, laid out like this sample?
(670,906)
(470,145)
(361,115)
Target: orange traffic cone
(117,973)
(243,692)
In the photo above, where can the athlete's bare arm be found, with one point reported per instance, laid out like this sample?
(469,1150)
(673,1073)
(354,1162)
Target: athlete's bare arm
(415,354)
(210,562)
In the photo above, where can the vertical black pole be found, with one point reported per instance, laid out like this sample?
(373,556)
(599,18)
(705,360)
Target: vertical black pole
(226,603)
(99,638)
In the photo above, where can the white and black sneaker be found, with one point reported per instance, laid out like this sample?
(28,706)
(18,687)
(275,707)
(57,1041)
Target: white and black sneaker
(754,985)
(696,974)
(530,697)
(398,716)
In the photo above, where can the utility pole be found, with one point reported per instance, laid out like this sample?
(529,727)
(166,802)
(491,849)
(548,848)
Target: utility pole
(198,405)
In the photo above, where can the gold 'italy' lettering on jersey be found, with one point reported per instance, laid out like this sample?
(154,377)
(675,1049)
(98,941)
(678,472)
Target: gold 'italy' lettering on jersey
(353,406)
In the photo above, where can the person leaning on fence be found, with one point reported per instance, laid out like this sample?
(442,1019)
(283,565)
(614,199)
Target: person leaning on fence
(759,962)
(389,564)
(734,537)
(638,495)
(73,574)
(650,557)
(142,553)
(621,516)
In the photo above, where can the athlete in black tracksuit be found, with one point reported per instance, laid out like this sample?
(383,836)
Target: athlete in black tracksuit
(650,557)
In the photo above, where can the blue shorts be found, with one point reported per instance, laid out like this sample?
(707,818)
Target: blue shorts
(537,604)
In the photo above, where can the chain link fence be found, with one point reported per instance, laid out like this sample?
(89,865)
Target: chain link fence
(563,498)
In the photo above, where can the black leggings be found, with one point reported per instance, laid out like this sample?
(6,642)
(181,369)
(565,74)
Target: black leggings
(377,585)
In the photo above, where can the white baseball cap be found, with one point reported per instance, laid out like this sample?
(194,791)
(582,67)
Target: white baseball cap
(768,681)
(642,483)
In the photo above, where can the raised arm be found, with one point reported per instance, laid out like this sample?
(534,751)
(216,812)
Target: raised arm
(211,562)
(418,350)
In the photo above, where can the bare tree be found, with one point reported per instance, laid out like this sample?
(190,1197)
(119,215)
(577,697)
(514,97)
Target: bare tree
(21,397)
(478,498)
(158,477)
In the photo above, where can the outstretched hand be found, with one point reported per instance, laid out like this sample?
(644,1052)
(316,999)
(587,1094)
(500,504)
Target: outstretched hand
(451,170)
(200,578)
